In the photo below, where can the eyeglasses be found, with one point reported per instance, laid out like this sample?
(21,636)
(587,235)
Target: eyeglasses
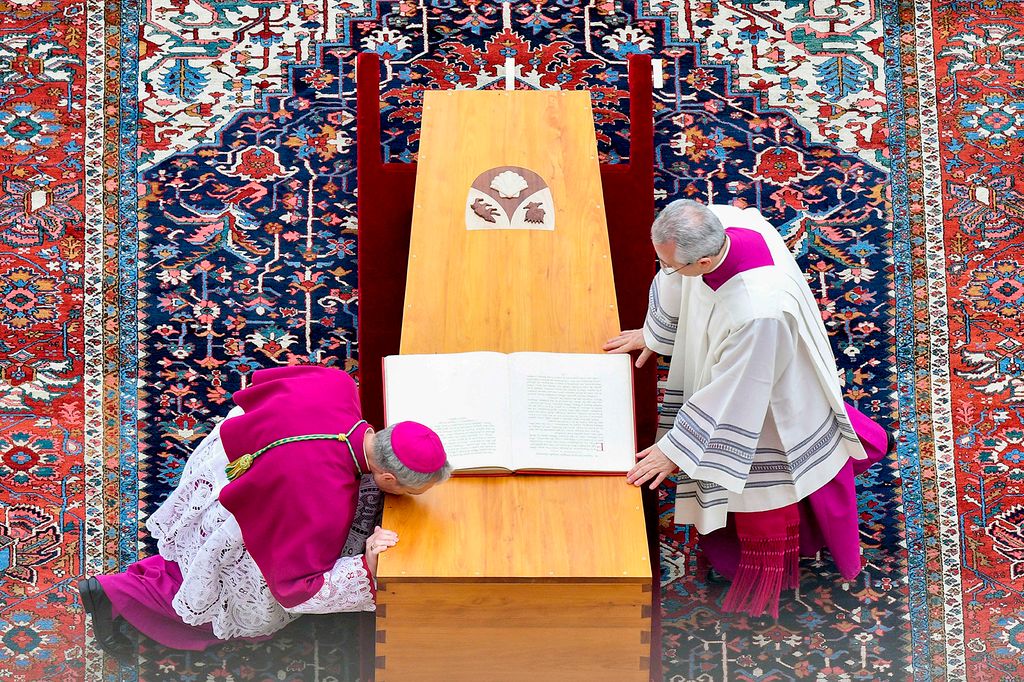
(669,270)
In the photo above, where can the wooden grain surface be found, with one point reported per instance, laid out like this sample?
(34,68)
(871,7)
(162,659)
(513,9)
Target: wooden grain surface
(512,290)
(513,632)
(555,527)
(523,577)
(508,290)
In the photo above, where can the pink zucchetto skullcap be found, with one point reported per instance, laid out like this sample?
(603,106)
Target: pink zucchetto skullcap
(418,447)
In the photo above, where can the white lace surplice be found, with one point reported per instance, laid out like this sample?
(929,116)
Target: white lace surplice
(222,584)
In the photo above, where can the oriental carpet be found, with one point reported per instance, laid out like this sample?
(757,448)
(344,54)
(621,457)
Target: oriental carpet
(177,209)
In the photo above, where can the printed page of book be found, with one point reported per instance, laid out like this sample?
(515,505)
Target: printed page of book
(462,396)
(572,412)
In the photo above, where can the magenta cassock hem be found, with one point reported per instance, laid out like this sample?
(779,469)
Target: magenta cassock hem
(143,596)
(828,516)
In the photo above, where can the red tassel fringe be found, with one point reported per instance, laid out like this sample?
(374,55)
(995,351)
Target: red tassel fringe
(767,566)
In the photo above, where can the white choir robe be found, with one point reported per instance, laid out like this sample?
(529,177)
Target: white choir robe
(753,412)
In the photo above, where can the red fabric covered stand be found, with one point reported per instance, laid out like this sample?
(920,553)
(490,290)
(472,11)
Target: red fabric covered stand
(384,206)
(385,220)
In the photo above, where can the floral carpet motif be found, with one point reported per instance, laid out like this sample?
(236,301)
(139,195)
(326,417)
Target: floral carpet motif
(177,209)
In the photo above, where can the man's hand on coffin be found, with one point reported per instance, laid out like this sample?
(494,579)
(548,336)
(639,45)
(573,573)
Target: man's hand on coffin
(629,341)
(651,463)
(379,541)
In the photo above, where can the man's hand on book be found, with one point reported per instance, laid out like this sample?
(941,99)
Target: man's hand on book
(628,341)
(651,463)
(379,541)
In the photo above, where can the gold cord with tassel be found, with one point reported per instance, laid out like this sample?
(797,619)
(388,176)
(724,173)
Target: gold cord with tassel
(242,464)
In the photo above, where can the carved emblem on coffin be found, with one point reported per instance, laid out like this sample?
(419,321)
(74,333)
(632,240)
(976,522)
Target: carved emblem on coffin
(509,198)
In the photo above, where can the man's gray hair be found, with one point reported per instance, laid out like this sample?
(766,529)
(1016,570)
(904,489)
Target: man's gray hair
(385,455)
(692,227)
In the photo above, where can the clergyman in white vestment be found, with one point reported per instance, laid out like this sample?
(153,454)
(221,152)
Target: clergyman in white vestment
(753,415)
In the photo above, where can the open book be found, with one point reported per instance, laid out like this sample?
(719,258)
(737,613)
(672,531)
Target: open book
(527,412)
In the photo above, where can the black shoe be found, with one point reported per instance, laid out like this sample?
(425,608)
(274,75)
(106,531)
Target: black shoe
(108,635)
(891,440)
